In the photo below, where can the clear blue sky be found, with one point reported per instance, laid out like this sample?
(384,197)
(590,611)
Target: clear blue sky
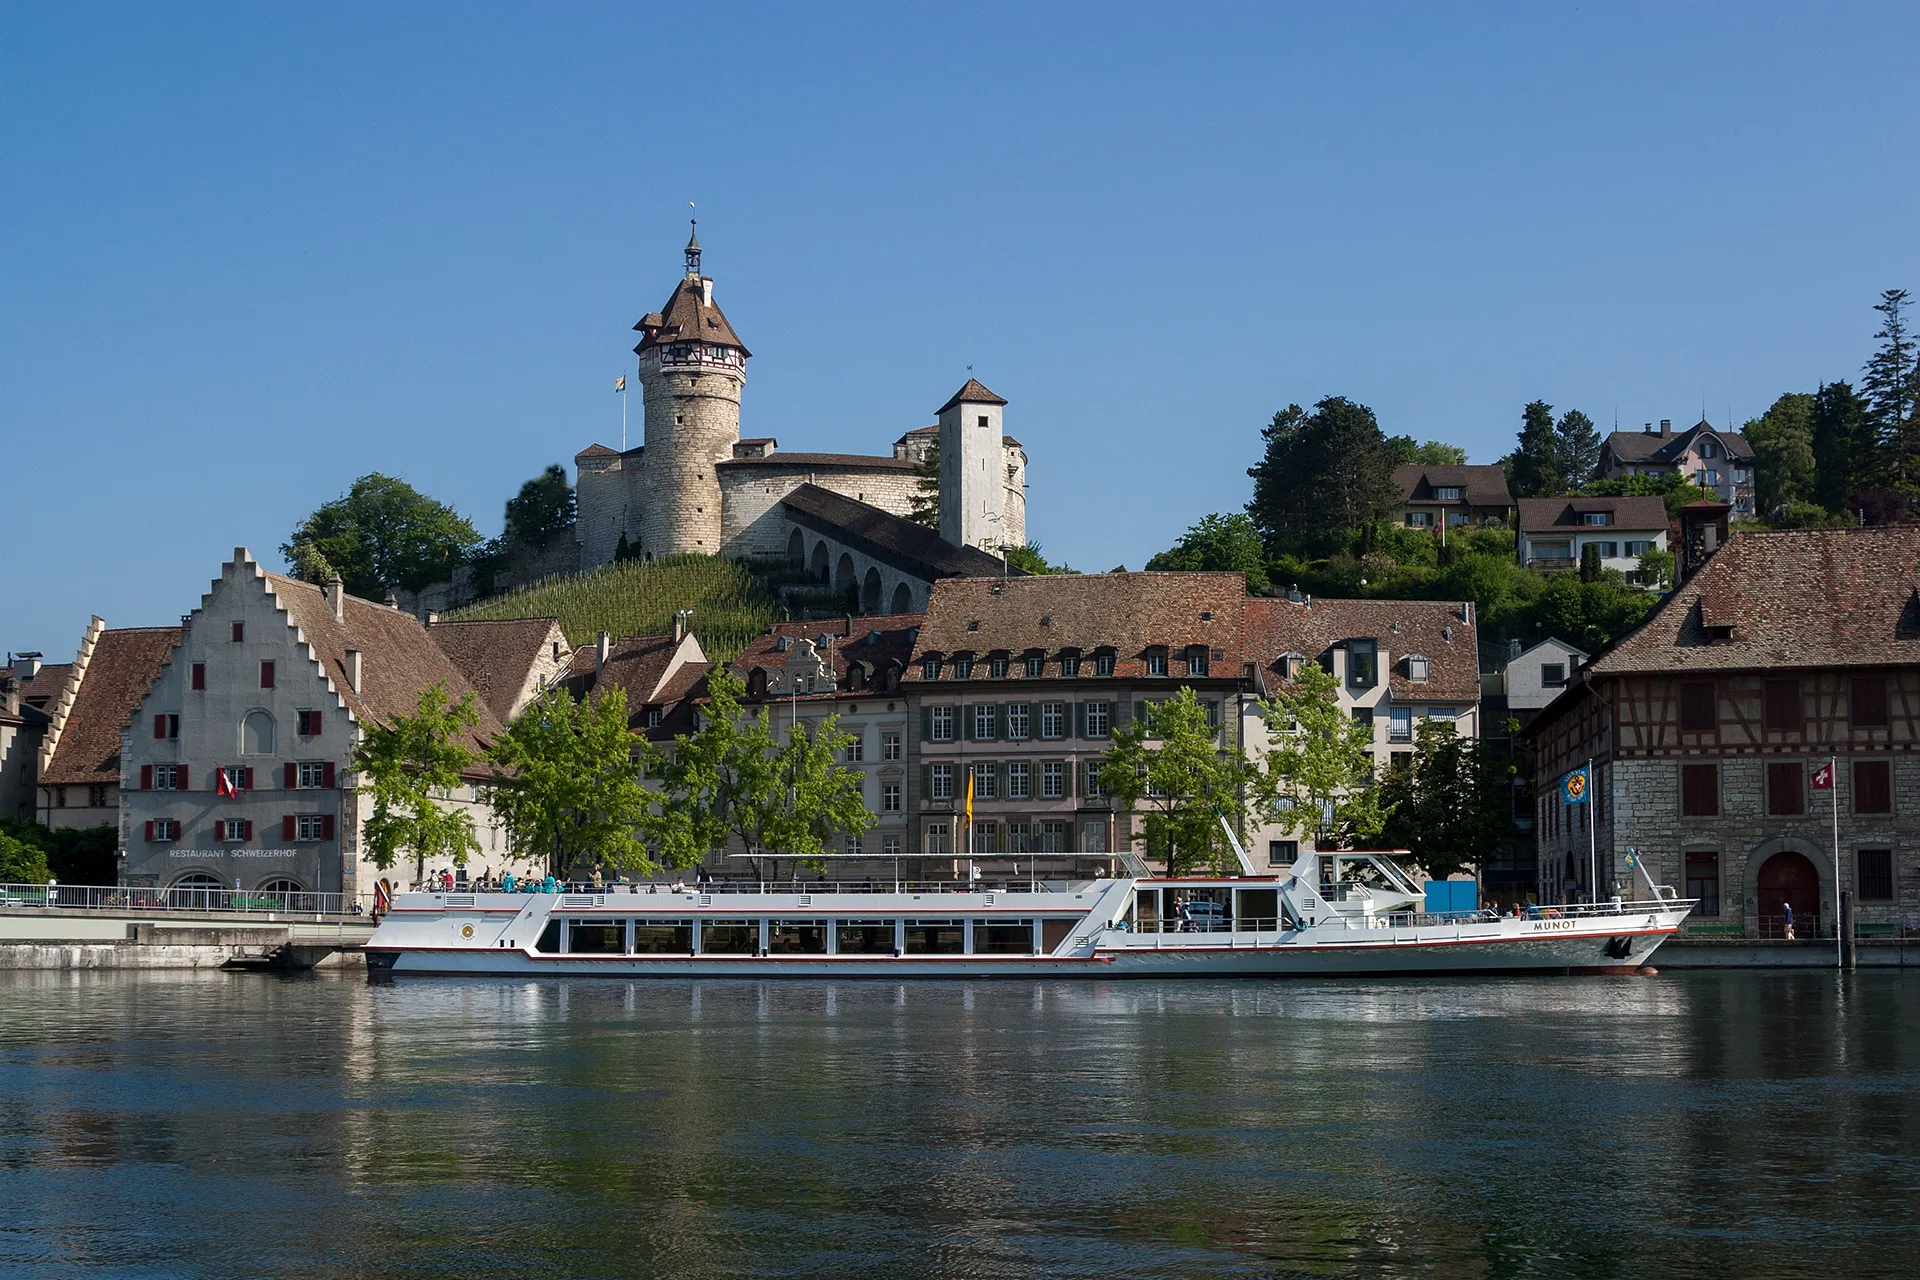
(248,253)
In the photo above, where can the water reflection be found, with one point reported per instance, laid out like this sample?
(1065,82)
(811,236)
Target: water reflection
(1695,1124)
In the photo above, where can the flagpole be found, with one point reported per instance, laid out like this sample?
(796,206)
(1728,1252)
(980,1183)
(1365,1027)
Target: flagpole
(1833,777)
(1593,843)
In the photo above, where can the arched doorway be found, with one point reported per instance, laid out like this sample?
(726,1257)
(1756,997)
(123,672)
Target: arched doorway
(796,550)
(819,562)
(197,891)
(870,592)
(902,599)
(1788,879)
(844,580)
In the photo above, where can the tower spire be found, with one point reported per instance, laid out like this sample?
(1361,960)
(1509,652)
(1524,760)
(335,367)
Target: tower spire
(693,251)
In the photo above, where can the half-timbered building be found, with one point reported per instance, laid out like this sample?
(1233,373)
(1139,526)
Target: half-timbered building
(1753,742)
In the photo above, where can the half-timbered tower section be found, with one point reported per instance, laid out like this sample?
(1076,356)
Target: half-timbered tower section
(1754,741)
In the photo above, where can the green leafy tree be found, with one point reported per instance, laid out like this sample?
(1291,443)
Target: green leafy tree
(923,504)
(1452,806)
(1407,451)
(1890,385)
(1318,775)
(732,777)
(1170,767)
(567,784)
(1846,455)
(544,506)
(1656,568)
(410,768)
(1030,559)
(1576,448)
(1533,468)
(1589,615)
(1590,566)
(1226,543)
(381,533)
(1782,440)
(1324,476)
(1673,488)
(22,863)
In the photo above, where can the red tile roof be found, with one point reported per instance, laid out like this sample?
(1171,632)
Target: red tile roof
(971,393)
(124,664)
(688,317)
(1435,629)
(498,657)
(1483,486)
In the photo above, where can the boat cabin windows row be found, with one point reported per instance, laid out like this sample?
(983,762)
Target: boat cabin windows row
(846,937)
(1208,909)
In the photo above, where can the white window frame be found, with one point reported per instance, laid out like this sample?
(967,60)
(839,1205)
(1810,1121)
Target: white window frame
(857,749)
(890,797)
(940,782)
(1053,720)
(986,780)
(166,777)
(986,721)
(1019,780)
(308,826)
(310,775)
(890,744)
(940,720)
(1099,719)
(1053,780)
(1018,727)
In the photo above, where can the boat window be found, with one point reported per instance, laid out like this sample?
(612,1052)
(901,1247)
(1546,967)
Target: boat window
(657,937)
(597,937)
(549,939)
(1146,915)
(797,937)
(729,937)
(865,938)
(1003,937)
(1259,909)
(934,937)
(1054,932)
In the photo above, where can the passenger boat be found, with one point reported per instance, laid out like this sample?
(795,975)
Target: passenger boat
(1361,915)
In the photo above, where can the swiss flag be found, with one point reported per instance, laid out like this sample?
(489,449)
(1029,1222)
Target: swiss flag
(222,783)
(1823,777)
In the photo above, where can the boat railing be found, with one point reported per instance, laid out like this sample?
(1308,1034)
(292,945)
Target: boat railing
(802,887)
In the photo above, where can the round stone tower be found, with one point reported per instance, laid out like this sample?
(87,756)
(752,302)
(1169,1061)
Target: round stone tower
(692,367)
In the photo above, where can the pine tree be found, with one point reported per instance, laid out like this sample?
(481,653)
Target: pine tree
(1844,454)
(1891,387)
(1576,449)
(1325,476)
(1533,468)
(1782,440)
(923,505)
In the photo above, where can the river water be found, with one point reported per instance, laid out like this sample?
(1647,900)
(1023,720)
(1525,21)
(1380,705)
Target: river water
(1706,1124)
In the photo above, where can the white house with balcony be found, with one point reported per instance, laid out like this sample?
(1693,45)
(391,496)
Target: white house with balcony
(1555,532)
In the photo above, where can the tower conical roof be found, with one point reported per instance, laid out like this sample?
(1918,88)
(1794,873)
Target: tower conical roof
(972,393)
(689,316)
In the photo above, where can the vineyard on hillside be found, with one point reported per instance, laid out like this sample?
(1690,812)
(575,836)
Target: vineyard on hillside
(640,598)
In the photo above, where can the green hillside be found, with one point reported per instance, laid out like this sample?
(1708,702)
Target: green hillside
(636,598)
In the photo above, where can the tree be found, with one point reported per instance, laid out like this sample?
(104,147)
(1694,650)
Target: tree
(923,505)
(731,777)
(567,783)
(1589,615)
(544,506)
(1030,559)
(21,862)
(1533,468)
(1590,565)
(1845,453)
(381,533)
(1576,448)
(403,765)
(1226,543)
(1452,805)
(1782,440)
(1891,388)
(1319,771)
(1169,766)
(1407,451)
(1675,489)
(1323,477)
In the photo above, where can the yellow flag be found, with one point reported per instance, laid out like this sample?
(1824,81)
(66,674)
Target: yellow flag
(620,383)
(969,804)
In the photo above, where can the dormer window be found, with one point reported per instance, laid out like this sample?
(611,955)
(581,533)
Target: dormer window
(1448,493)
(1290,665)
(930,669)
(1708,449)
(963,667)
(1363,663)
(1036,663)
(653,717)
(757,683)
(1103,663)
(1070,662)
(997,667)
(1596,517)
(1156,662)
(1417,670)
(1196,656)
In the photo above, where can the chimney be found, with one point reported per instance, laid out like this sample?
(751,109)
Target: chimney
(26,666)
(433,616)
(1666,426)
(353,670)
(1648,428)
(679,625)
(337,597)
(600,652)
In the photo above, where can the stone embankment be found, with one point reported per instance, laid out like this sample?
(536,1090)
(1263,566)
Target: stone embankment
(55,939)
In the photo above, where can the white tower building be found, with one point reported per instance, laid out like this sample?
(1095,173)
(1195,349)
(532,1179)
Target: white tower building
(973,461)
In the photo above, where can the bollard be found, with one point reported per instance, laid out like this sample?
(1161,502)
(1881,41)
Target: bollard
(1847,930)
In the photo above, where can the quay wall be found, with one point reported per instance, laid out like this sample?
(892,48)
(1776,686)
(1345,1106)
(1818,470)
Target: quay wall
(1736,953)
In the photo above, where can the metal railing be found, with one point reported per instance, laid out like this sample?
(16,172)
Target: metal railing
(1043,884)
(114,898)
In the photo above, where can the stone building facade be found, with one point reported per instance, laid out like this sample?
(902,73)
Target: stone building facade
(1788,658)
(694,485)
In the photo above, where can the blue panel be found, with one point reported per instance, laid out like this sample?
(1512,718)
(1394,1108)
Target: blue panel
(1445,896)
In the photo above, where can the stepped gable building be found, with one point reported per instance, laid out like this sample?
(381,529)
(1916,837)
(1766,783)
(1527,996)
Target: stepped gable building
(1709,725)
(273,681)
(1721,462)
(695,485)
(79,784)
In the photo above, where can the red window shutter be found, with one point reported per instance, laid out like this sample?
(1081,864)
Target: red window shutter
(149,831)
(266,675)
(180,779)
(219,829)
(246,829)
(239,632)
(246,778)
(199,675)
(290,775)
(313,724)
(326,775)
(286,827)
(159,726)
(146,777)
(326,826)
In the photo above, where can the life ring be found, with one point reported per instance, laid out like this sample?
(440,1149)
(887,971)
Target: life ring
(466,931)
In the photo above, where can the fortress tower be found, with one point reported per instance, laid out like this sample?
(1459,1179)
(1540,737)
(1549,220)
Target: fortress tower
(973,457)
(692,367)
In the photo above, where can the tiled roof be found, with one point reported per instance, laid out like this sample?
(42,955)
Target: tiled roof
(971,393)
(1553,515)
(398,656)
(498,657)
(1484,486)
(894,539)
(124,663)
(1646,446)
(875,642)
(1794,598)
(652,670)
(688,317)
(837,461)
(1129,612)
(1437,629)
(44,689)
(596,451)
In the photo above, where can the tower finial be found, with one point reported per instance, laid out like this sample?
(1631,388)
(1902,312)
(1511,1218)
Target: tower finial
(693,247)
